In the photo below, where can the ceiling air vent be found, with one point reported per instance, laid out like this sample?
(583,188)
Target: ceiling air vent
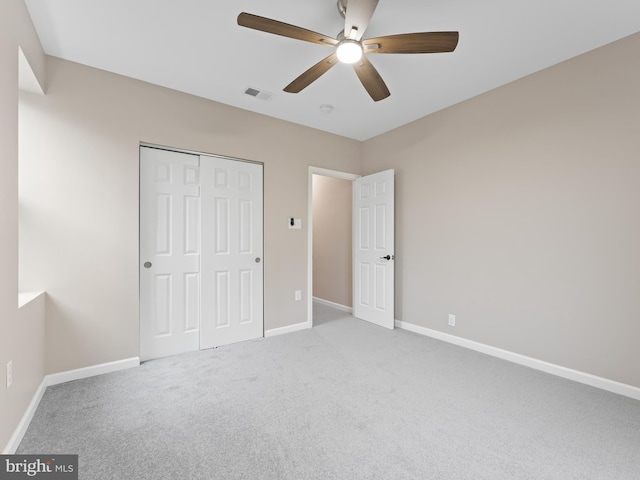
(261,94)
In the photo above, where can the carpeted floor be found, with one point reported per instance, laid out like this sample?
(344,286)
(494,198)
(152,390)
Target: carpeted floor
(345,400)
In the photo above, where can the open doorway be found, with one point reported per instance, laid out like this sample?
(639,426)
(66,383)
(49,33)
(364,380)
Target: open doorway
(330,240)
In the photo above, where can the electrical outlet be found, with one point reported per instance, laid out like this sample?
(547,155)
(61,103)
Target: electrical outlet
(9,373)
(452,320)
(298,295)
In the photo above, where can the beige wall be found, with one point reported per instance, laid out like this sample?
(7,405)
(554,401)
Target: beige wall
(81,200)
(518,212)
(21,331)
(332,231)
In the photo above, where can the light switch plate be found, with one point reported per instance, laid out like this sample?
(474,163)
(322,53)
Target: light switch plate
(297,223)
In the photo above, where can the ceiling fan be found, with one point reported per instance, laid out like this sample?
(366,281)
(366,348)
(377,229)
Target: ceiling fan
(350,47)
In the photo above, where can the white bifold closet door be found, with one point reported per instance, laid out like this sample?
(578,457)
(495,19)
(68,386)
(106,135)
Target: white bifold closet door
(201,272)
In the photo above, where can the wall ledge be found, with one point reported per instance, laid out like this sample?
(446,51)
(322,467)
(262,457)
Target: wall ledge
(25,298)
(568,373)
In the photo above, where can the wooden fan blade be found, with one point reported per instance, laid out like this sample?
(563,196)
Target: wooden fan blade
(358,16)
(311,75)
(425,42)
(284,29)
(371,79)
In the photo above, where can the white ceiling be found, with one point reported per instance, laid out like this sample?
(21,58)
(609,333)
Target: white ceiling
(196,46)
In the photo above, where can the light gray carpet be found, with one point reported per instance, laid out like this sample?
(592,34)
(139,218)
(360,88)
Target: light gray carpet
(345,400)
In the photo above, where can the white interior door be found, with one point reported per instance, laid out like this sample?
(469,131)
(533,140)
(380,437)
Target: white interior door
(373,248)
(169,253)
(232,263)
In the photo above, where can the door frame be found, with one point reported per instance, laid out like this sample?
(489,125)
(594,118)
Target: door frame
(326,173)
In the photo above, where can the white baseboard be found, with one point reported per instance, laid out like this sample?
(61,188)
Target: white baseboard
(288,329)
(21,429)
(77,374)
(55,379)
(568,373)
(344,308)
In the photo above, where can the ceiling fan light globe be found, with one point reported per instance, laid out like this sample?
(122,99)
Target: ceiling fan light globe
(349,51)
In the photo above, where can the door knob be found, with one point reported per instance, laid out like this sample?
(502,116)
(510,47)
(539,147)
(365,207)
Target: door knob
(257,259)
(387,257)
(147,264)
